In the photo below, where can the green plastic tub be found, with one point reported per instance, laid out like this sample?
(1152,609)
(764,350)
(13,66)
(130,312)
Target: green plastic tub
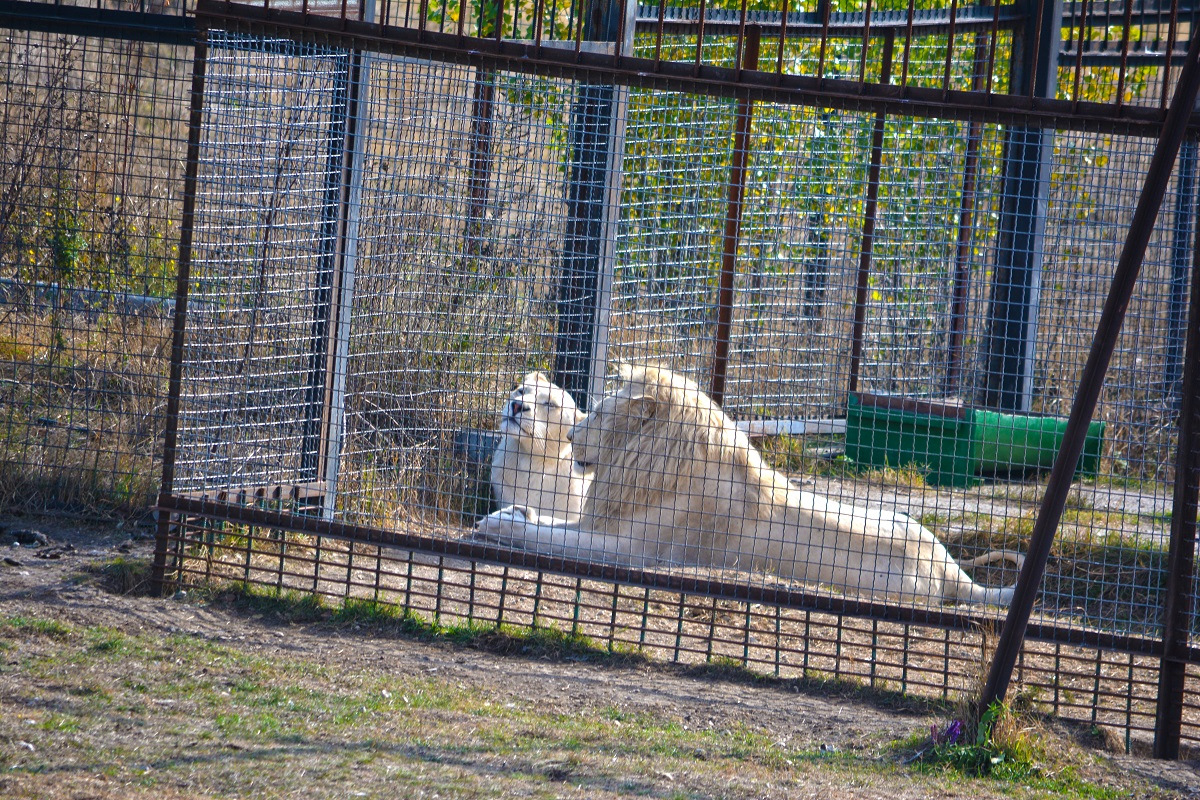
(957,445)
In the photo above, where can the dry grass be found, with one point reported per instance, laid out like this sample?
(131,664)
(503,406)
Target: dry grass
(81,408)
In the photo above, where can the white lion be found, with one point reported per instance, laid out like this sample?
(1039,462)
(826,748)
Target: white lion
(676,481)
(533,466)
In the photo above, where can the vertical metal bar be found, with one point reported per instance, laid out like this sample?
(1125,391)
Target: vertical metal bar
(596,136)
(645,619)
(1017,277)
(480,163)
(746,639)
(500,603)
(179,322)
(1124,68)
(823,11)
(1181,255)
(678,630)
(1181,588)
(993,39)
(966,229)
(946,68)
(612,621)
(537,599)
(778,622)
(870,210)
(733,222)
(1169,51)
(575,607)
(783,22)
(325,419)
(1092,380)
(712,630)
(866,45)
(658,36)
(471,577)
(1077,79)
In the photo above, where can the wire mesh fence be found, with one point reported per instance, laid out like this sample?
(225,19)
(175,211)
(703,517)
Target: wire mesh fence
(388,230)
(90,178)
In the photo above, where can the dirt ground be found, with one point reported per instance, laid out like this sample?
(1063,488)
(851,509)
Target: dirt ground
(813,722)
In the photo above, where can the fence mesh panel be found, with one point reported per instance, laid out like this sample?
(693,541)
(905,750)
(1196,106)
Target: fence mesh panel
(91,169)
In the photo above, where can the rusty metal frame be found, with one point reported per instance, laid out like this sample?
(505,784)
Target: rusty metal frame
(281,509)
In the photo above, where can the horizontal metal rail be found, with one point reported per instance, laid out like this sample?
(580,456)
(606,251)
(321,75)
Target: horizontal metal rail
(193,505)
(534,58)
(924,22)
(135,26)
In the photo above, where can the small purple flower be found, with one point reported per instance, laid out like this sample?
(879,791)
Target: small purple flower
(951,735)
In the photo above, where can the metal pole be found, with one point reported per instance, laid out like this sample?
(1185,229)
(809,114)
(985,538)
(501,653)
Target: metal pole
(867,251)
(316,408)
(1181,587)
(344,296)
(1017,277)
(966,230)
(733,222)
(1092,380)
(1181,254)
(179,323)
(331,352)
(593,192)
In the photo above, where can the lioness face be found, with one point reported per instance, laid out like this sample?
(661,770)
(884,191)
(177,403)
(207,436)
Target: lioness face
(538,410)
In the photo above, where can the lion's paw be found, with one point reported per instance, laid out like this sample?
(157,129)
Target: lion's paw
(505,526)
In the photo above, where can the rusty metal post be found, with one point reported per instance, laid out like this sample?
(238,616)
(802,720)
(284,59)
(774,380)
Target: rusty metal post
(158,571)
(870,210)
(1092,380)
(1181,555)
(733,222)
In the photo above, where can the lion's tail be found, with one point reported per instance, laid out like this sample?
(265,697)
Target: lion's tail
(969,591)
(972,592)
(1018,559)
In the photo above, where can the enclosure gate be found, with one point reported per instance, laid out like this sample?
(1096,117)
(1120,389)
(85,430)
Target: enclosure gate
(348,280)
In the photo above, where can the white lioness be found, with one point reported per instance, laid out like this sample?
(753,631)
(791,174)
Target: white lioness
(533,466)
(676,481)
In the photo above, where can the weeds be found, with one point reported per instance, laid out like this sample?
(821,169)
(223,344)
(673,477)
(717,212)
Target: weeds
(125,576)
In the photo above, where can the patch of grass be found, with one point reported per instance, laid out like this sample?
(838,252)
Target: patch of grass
(214,716)
(20,625)
(288,605)
(367,612)
(804,455)
(108,641)
(1003,745)
(125,576)
(387,619)
(909,476)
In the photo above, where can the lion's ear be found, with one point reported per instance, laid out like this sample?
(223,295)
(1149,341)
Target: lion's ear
(643,406)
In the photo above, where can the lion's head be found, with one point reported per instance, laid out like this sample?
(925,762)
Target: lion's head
(539,415)
(652,437)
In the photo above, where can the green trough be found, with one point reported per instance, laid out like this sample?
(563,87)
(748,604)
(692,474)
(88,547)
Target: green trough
(955,445)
